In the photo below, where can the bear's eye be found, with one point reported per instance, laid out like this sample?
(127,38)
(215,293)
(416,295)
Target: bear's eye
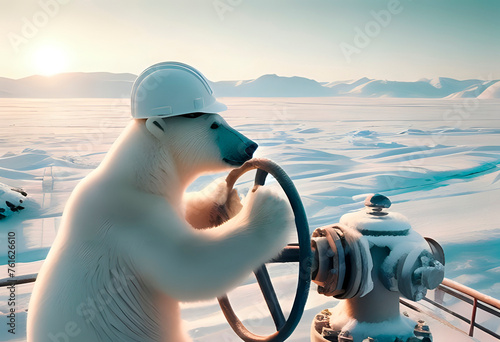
(214,126)
(192,115)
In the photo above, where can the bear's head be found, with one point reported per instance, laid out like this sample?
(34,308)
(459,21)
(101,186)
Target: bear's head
(202,141)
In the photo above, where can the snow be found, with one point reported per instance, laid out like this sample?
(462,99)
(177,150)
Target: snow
(11,200)
(437,160)
(401,326)
(492,92)
(362,221)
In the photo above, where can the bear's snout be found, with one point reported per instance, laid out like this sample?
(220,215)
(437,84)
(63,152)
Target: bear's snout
(251,149)
(235,147)
(244,153)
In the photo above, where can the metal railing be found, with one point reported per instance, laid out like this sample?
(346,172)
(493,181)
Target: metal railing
(27,278)
(475,298)
(470,296)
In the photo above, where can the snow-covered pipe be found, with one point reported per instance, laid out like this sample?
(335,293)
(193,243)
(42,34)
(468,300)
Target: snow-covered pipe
(370,259)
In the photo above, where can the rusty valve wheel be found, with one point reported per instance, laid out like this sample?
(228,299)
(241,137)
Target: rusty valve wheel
(300,253)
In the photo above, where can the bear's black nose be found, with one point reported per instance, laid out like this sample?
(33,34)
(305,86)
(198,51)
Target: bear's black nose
(251,149)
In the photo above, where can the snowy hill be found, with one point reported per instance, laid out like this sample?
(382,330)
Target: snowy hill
(425,88)
(69,85)
(109,85)
(450,85)
(272,86)
(343,88)
(378,88)
(492,92)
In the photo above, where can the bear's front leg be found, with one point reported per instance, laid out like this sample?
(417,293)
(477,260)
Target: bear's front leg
(212,206)
(188,264)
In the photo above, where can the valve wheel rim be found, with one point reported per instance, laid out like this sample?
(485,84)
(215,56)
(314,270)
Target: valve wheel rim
(284,326)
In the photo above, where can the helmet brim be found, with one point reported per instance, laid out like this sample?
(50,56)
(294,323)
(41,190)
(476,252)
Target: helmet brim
(215,107)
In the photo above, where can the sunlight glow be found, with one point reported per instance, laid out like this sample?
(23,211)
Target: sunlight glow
(50,60)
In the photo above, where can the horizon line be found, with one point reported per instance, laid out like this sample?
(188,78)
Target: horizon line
(345,80)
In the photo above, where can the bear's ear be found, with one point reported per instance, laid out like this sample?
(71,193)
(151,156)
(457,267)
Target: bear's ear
(156,126)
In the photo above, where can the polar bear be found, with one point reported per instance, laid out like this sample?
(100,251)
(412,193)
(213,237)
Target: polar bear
(131,245)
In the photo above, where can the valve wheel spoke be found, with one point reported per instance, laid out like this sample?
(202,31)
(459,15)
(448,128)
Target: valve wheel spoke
(269,293)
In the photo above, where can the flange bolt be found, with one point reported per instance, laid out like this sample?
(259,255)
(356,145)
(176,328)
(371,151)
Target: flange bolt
(376,203)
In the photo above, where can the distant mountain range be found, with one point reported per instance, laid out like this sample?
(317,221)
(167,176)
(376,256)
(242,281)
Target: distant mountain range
(109,85)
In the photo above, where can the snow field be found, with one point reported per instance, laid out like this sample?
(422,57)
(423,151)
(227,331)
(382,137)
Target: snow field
(437,160)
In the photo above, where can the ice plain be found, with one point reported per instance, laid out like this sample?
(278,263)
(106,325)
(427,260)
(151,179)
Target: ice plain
(436,159)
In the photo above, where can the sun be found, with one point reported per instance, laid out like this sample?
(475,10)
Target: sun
(50,60)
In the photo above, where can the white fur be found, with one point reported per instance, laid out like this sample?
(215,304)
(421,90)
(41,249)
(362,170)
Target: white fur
(125,255)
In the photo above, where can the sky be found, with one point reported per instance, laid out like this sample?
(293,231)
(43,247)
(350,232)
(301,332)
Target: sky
(326,40)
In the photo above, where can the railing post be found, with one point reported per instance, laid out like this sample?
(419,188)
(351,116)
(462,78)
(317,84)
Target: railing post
(473,318)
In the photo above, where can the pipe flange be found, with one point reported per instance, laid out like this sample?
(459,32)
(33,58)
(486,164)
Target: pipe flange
(354,263)
(340,269)
(329,268)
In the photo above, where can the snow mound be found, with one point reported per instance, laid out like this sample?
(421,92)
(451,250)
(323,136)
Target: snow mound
(492,92)
(11,200)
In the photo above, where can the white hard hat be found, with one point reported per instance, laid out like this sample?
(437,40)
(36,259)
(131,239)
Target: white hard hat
(170,89)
